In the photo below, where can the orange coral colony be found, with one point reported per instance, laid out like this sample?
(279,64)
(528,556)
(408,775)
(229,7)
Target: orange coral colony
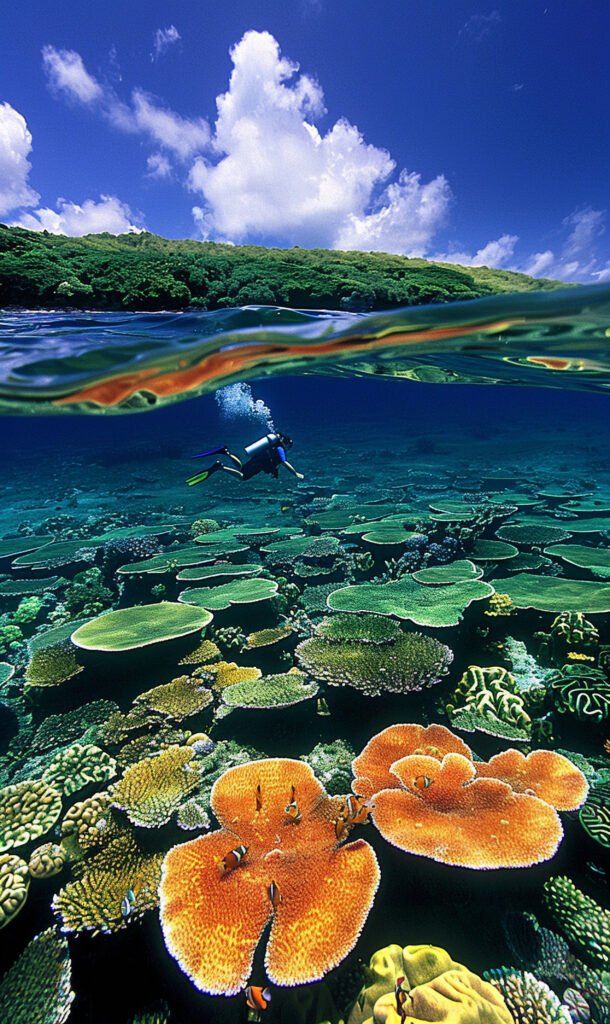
(275,858)
(543,773)
(372,767)
(444,812)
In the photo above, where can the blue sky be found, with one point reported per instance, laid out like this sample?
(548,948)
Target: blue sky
(451,129)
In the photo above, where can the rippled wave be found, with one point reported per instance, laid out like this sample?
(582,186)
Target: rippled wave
(130,362)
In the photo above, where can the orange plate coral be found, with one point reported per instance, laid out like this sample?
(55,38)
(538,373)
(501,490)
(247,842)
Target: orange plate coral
(443,812)
(212,921)
(543,773)
(372,767)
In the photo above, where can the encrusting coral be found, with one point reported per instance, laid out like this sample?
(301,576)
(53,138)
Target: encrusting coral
(275,858)
(150,791)
(14,885)
(27,810)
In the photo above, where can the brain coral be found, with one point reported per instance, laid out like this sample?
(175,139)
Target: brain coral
(47,860)
(37,988)
(151,790)
(409,663)
(27,810)
(78,766)
(14,885)
(212,920)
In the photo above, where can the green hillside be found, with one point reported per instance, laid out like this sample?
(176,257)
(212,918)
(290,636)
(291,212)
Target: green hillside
(147,272)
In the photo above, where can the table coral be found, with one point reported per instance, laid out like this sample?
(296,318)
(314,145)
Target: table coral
(27,810)
(544,773)
(14,885)
(212,921)
(151,790)
(407,664)
(443,812)
(178,699)
(37,989)
(277,691)
(77,766)
(372,767)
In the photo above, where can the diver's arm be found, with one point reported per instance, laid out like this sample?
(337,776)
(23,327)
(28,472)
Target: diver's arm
(298,475)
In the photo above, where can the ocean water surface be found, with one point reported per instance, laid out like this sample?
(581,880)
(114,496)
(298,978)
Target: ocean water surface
(444,562)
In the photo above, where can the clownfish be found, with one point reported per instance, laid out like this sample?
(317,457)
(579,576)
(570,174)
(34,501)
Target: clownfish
(232,859)
(292,809)
(259,798)
(357,809)
(275,895)
(401,997)
(257,998)
(422,782)
(341,828)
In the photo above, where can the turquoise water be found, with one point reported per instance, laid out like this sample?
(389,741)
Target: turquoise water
(411,489)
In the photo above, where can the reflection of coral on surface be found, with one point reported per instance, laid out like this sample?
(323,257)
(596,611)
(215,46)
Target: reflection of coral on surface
(212,921)
(431,799)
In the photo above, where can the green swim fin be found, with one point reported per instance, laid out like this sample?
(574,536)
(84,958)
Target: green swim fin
(198,478)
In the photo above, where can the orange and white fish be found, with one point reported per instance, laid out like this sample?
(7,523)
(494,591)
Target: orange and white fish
(232,859)
(341,828)
(292,809)
(257,997)
(275,895)
(357,809)
(259,798)
(422,782)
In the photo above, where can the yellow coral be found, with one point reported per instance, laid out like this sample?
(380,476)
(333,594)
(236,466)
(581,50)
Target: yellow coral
(27,810)
(182,697)
(500,605)
(151,790)
(226,673)
(47,860)
(206,652)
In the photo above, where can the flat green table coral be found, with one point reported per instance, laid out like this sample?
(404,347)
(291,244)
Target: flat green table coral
(596,560)
(407,599)
(278,691)
(6,672)
(555,594)
(129,628)
(247,591)
(453,572)
(219,572)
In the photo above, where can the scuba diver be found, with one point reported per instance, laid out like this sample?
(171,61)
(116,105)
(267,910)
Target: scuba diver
(264,456)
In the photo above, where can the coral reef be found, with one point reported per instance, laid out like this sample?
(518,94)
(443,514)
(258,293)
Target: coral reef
(278,691)
(178,700)
(47,860)
(529,1000)
(14,885)
(151,790)
(27,810)
(37,989)
(77,766)
(585,924)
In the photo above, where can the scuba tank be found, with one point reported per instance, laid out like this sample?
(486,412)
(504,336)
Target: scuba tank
(263,444)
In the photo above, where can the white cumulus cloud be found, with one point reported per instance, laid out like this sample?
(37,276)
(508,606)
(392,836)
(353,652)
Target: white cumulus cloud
(109,214)
(272,172)
(67,73)
(158,166)
(15,148)
(143,115)
(163,39)
(496,253)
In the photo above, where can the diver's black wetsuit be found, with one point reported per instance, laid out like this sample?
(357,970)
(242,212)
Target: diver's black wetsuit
(265,456)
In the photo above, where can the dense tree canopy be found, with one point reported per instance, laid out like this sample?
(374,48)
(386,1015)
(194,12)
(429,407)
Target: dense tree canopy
(147,272)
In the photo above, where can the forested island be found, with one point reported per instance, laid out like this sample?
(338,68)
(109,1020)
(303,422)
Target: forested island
(39,270)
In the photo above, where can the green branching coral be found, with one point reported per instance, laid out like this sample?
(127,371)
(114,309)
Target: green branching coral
(37,989)
(11,636)
(47,860)
(268,637)
(150,791)
(278,691)
(529,1000)
(581,690)
(372,629)
(87,596)
(410,663)
(77,766)
(149,744)
(202,526)
(490,697)
(332,765)
(28,610)
(584,923)
(192,815)
(14,885)
(27,810)
(203,654)
(179,699)
(52,666)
